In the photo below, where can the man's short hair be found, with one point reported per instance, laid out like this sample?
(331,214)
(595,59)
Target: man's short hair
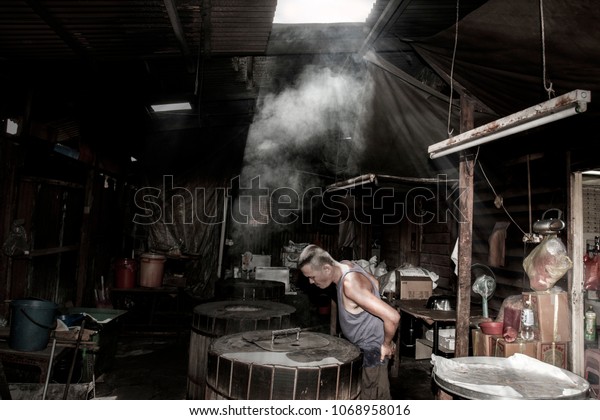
(315,256)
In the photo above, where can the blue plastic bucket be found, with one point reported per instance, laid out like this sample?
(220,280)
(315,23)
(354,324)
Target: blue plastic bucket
(31,323)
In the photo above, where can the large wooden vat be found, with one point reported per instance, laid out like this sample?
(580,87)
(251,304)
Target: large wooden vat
(301,366)
(216,319)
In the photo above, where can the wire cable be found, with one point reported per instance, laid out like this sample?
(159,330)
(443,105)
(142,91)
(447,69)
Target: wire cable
(547,86)
(452,69)
(501,204)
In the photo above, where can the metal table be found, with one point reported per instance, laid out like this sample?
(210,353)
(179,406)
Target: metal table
(435,318)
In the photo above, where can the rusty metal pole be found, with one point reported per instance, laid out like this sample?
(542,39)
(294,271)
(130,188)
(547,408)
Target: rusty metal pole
(77,343)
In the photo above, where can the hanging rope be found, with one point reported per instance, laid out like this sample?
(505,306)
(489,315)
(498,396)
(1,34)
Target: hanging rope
(547,85)
(452,69)
(529,194)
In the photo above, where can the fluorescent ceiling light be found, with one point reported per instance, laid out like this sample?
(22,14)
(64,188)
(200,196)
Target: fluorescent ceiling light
(322,11)
(593,173)
(557,108)
(176,106)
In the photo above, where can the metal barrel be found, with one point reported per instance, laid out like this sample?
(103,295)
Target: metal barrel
(216,319)
(315,367)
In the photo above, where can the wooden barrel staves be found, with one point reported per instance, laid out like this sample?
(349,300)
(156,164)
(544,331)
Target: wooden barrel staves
(216,319)
(256,365)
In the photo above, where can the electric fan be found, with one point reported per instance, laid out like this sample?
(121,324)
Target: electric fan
(484,284)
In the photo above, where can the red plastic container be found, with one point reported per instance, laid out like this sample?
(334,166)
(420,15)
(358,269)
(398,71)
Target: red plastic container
(491,328)
(125,273)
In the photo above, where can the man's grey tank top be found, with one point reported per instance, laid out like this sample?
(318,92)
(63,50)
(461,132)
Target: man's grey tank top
(362,329)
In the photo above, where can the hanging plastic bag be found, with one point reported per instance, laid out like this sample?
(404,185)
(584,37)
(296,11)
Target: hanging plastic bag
(547,263)
(510,316)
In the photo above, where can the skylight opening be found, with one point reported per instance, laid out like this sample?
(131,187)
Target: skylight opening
(322,11)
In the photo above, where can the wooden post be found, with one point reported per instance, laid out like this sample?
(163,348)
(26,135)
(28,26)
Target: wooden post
(84,241)
(576,245)
(465,236)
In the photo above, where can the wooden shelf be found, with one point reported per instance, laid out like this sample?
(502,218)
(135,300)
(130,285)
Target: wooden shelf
(53,251)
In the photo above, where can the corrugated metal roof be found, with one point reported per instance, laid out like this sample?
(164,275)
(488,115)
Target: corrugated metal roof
(216,52)
(240,26)
(132,29)
(93,29)
(417,19)
(101,30)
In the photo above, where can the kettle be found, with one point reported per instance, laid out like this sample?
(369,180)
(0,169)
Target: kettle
(549,226)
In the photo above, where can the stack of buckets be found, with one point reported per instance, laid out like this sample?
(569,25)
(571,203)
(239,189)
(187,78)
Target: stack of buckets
(151,271)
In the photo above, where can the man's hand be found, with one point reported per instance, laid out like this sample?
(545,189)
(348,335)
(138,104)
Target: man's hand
(388,350)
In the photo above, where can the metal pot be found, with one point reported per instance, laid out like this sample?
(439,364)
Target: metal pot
(441,302)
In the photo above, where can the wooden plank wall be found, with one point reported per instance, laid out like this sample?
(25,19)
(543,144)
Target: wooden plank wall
(46,192)
(436,250)
(529,186)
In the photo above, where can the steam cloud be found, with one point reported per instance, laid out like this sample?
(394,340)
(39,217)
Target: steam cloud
(303,137)
(307,129)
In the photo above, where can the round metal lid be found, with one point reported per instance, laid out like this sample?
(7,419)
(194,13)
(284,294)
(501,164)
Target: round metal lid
(291,339)
(252,309)
(311,350)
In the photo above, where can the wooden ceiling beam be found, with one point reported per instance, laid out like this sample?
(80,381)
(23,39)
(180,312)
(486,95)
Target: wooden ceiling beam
(389,15)
(179,34)
(57,27)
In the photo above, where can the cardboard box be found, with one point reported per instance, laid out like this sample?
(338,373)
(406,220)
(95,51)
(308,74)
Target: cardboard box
(446,338)
(423,349)
(413,287)
(483,344)
(553,353)
(552,316)
(504,349)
